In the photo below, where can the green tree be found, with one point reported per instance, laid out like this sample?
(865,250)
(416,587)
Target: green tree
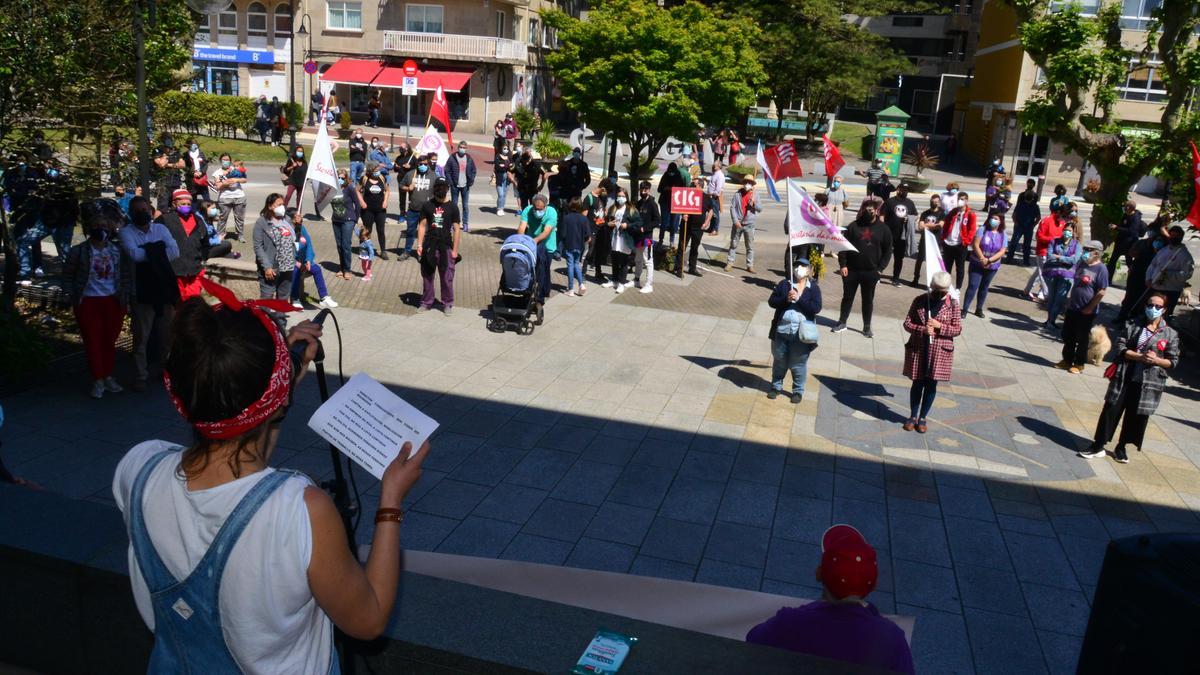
(1084,59)
(646,73)
(814,57)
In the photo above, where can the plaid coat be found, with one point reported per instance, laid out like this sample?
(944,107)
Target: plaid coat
(921,359)
(1153,377)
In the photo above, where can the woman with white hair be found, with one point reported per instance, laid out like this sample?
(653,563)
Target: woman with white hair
(933,321)
(793,328)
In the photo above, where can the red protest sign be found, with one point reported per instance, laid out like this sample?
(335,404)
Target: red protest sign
(687,201)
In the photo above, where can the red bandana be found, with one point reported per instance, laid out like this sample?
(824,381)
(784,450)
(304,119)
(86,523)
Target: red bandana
(278,387)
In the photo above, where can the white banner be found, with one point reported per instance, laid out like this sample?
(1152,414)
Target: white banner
(934,262)
(809,224)
(432,142)
(321,168)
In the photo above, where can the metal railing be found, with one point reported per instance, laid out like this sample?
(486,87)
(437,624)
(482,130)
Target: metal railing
(461,47)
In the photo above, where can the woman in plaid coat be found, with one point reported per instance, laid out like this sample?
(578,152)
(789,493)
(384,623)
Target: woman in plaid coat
(1145,350)
(929,353)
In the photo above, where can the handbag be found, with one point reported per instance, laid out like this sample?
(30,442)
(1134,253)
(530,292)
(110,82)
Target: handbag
(1111,371)
(809,334)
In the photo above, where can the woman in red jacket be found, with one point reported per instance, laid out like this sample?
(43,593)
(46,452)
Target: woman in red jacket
(1048,231)
(933,321)
(958,231)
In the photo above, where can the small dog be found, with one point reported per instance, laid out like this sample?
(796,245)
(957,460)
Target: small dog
(1098,345)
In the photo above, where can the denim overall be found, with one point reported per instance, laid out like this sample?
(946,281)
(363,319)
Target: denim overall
(187,616)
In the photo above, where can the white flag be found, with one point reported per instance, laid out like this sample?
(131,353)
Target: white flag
(432,142)
(320,166)
(934,262)
(809,224)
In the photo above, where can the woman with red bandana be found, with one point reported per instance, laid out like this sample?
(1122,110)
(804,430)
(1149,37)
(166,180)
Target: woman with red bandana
(236,566)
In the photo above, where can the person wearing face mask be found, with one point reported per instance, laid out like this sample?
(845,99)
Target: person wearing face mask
(1141,256)
(196,170)
(995,170)
(958,231)
(373,196)
(274,249)
(1048,231)
(795,301)
(231,196)
(839,202)
(1127,231)
(599,252)
(530,178)
(460,174)
(296,170)
(418,185)
(1026,215)
(642,233)
(697,225)
(345,209)
(306,263)
(98,278)
(950,195)
(191,235)
(1058,271)
(622,220)
(1087,290)
(218,244)
(574,176)
(900,214)
(988,249)
(672,178)
(1060,198)
(997,196)
(932,322)
(1171,269)
(861,268)
(1146,349)
(358,156)
(152,249)
(743,212)
(930,219)
(378,154)
(438,238)
(501,177)
(540,221)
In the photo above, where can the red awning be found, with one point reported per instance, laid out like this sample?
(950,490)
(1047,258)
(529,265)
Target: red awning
(452,81)
(352,71)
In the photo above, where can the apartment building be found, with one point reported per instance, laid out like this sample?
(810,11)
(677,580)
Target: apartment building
(941,46)
(487,55)
(985,116)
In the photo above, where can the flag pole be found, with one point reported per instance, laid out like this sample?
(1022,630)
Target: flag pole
(791,277)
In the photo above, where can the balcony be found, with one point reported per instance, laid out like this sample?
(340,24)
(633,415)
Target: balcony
(472,48)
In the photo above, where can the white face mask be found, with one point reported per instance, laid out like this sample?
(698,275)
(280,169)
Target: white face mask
(280,211)
(801,272)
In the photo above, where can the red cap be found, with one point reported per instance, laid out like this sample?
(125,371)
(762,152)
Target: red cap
(848,565)
(180,193)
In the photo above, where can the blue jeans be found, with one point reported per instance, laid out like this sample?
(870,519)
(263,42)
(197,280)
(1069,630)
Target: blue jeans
(456,194)
(29,248)
(501,194)
(298,282)
(980,281)
(61,234)
(374,117)
(342,233)
(789,354)
(574,268)
(1021,233)
(357,169)
(1056,298)
(543,271)
(411,218)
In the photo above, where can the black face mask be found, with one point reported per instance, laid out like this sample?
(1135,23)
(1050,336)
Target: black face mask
(140,218)
(98,233)
(441,192)
(938,295)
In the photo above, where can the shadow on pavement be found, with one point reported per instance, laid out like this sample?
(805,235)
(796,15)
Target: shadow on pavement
(1066,439)
(731,371)
(1022,355)
(862,396)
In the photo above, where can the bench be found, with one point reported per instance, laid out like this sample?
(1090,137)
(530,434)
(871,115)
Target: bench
(224,270)
(45,295)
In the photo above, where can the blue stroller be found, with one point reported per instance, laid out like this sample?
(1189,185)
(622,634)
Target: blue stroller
(513,305)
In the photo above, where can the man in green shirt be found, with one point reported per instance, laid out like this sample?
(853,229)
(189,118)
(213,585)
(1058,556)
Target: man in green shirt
(540,221)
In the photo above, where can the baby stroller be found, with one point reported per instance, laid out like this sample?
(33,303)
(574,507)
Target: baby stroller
(514,304)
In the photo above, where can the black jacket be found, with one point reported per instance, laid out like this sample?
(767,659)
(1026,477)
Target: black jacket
(650,217)
(193,248)
(1130,229)
(809,303)
(874,244)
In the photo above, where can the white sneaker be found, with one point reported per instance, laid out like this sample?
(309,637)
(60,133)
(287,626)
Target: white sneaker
(608,284)
(499,212)
(25,282)
(582,290)
(570,293)
(110,384)
(620,289)
(39,273)
(327,302)
(648,288)
(628,284)
(297,304)
(98,389)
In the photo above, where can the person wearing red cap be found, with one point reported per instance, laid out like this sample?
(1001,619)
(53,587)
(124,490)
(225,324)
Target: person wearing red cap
(191,236)
(842,625)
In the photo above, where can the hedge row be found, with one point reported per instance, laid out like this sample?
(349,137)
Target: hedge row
(216,114)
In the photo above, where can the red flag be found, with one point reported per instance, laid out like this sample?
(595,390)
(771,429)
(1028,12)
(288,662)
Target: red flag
(833,158)
(781,161)
(440,111)
(1193,216)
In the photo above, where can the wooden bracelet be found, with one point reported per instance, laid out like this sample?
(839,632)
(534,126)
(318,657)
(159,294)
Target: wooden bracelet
(389,516)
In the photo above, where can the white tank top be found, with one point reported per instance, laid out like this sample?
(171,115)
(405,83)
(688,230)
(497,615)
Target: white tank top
(270,620)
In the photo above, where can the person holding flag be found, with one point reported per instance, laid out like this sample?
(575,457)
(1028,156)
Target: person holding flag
(796,302)
(933,321)
(744,213)
(439,110)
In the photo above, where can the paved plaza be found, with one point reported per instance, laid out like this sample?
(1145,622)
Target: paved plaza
(632,434)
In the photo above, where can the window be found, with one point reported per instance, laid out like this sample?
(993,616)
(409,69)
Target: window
(878,99)
(215,80)
(535,31)
(501,21)
(1144,83)
(344,15)
(202,34)
(908,21)
(359,96)
(256,20)
(460,103)
(1086,7)
(423,18)
(1135,14)
(283,22)
(227,25)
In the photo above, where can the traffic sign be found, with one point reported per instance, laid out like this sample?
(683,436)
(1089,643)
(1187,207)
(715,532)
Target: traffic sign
(409,87)
(687,201)
(410,68)
(310,67)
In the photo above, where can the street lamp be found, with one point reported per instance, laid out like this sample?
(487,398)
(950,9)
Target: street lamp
(305,21)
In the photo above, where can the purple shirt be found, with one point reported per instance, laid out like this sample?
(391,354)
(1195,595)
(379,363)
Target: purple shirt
(1089,280)
(843,631)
